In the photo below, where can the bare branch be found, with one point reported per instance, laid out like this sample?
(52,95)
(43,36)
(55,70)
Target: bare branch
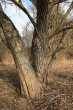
(27,13)
(62,24)
(67,13)
(64,29)
(60,30)
(24,10)
(34,2)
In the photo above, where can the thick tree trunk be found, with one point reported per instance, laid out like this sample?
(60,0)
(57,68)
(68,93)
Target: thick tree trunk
(40,45)
(30,84)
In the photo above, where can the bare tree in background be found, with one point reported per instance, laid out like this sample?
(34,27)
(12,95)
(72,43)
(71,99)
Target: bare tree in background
(29,29)
(48,28)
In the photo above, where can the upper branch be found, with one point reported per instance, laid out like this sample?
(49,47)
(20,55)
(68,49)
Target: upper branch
(20,5)
(65,26)
(62,24)
(67,13)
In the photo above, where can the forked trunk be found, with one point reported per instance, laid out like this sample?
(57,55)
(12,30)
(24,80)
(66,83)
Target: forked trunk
(30,84)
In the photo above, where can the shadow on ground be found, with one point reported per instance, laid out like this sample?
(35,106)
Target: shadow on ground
(58,97)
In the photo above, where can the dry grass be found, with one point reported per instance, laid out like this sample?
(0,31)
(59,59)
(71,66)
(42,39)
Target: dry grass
(5,55)
(58,97)
(7,89)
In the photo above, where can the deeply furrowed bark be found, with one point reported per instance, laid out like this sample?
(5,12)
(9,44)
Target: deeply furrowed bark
(30,85)
(39,45)
(40,51)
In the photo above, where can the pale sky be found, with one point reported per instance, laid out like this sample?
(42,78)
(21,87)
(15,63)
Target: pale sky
(19,18)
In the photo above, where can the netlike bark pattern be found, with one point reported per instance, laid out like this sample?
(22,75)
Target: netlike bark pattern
(39,45)
(30,85)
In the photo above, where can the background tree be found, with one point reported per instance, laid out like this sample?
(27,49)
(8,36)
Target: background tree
(29,29)
(34,76)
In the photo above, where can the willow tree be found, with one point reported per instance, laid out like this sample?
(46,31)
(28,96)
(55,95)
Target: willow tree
(34,75)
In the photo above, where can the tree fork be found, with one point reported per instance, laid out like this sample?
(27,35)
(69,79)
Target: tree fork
(32,88)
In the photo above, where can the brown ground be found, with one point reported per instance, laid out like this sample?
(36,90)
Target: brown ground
(9,89)
(59,97)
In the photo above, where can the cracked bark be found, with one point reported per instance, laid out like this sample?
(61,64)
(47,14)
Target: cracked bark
(31,87)
(39,45)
